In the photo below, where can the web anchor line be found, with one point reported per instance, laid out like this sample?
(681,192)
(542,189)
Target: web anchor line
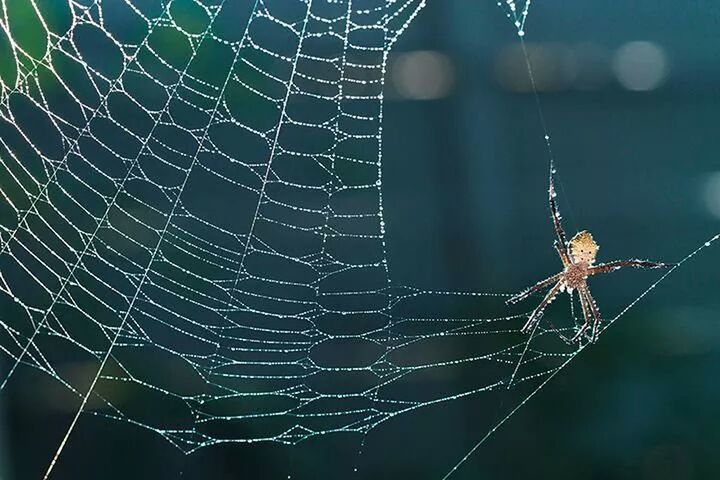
(156,250)
(582,347)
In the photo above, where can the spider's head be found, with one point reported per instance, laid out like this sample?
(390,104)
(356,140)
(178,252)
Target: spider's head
(583,248)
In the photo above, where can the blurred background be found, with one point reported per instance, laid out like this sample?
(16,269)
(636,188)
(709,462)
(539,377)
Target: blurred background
(629,92)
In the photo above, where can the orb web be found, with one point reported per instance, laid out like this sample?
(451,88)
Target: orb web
(192,205)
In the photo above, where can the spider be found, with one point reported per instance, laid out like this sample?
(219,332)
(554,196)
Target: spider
(578,259)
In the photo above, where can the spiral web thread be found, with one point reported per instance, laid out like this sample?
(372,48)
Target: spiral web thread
(195,209)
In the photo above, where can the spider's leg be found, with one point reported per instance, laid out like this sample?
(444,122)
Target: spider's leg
(556,218)
(529,291)
(595,312)
(565,339)
(617,265)
(540,309)
(586,314)
(562,253)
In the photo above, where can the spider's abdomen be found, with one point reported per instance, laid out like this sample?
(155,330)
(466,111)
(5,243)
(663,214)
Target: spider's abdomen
(583,248)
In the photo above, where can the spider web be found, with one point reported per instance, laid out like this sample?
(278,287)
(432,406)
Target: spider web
(196,210)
